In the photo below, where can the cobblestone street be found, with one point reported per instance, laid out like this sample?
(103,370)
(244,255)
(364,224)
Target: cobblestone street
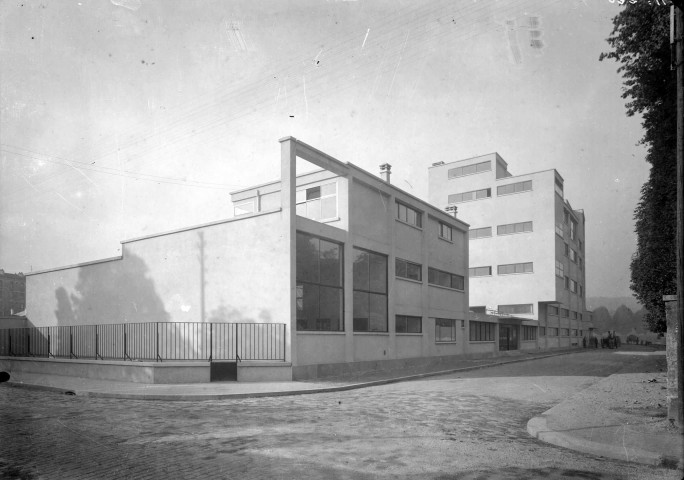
(465,426)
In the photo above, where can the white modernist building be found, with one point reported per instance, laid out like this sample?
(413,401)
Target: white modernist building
(527,250)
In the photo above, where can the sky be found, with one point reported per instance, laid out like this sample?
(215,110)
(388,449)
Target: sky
(124,118)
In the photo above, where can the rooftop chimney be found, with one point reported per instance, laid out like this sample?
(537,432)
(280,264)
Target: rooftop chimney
(385,171)
(452,209)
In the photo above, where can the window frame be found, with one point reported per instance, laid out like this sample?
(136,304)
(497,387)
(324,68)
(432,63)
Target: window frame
(300,292)
(405,320)
(250,201)
(515,228)
(400,261)
(443,227)
(474,233)
(452,327)
(475,196)
(528,333)
(451,175)
(523,188)
(502,308)
(418,215)
(370,292)
(472,272)
(306,201)
(436,275)
(515,265)
(481,331)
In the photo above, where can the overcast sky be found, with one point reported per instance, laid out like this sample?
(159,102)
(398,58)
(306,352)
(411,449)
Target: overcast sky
(122,118)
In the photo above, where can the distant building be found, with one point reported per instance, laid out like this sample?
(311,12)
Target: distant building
(12,293)
(527,250)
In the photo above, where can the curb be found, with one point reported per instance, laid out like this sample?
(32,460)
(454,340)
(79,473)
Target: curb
(538,428)
(228,396)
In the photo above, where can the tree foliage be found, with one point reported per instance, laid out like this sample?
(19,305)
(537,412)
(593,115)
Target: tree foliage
(641,44)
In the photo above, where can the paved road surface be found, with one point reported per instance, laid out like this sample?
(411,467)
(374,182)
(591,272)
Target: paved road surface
(464,426)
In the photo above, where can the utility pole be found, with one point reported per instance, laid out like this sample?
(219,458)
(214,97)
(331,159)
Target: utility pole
(679,63)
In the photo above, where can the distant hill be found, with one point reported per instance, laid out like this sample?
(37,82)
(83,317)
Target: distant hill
(612,303)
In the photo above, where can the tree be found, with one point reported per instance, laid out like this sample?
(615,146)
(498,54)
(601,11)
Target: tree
(640,42)
(601,319)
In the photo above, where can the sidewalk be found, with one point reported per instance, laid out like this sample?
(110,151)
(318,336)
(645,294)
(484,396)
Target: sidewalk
(622,416)
(89,387)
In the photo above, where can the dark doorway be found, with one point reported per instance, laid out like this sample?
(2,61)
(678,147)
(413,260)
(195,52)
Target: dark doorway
(223,371)
(508,337)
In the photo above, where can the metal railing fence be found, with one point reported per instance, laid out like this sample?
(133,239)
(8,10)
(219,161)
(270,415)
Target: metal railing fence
(156,341)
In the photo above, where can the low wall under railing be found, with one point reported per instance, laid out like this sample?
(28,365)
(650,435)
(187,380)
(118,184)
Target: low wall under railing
(155,341)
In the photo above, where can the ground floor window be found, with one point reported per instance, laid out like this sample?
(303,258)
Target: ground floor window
(552,331)
(564,332)
(529,332)
(445,330)
(408,324)
(482,331)
(574,332)
(319,284)
(370,291)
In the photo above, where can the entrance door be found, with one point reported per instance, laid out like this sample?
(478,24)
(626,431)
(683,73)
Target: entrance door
(508,337)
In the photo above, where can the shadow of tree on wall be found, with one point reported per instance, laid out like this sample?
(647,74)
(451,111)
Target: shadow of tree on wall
(113,292)
(225,314)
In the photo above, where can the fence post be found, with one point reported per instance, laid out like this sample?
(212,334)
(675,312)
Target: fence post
(125,346)
(211,341)
(28,342)
(237,357)
(49,344)
(157,342)
(10,344)
(284,341)
(71,342)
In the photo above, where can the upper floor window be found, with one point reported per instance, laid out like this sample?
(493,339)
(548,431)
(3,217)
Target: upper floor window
(515,268)
(559,229)
(559,187)
(480,232)
(560,269)
(573,229)
(470,169)
(573,286)
(516,309)
(445,279)
(468,196)
(514,187)
(573,255)
(564,312)
(318,203)
(552,310)
(509,228)
(409,215)
(406,269)
(480,271)
(566,217)
(580,245)
(244,207)
(445,231)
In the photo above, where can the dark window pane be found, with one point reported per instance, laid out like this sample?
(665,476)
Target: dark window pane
(307,258)
(400,324)
(307,315)
(361,312)
(314,192)
(414,271)
(331,264)
(330,316)
(400,268)
(378,313)
(361,269)
(414,325)
(378,273)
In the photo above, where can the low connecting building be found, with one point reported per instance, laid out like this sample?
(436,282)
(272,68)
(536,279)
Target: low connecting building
(527,252)
(361,275)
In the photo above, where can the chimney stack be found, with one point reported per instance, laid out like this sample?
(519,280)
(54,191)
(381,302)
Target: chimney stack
(385,171)
(452,209)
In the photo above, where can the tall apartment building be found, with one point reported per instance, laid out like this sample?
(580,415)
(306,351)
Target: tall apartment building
(527,250)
